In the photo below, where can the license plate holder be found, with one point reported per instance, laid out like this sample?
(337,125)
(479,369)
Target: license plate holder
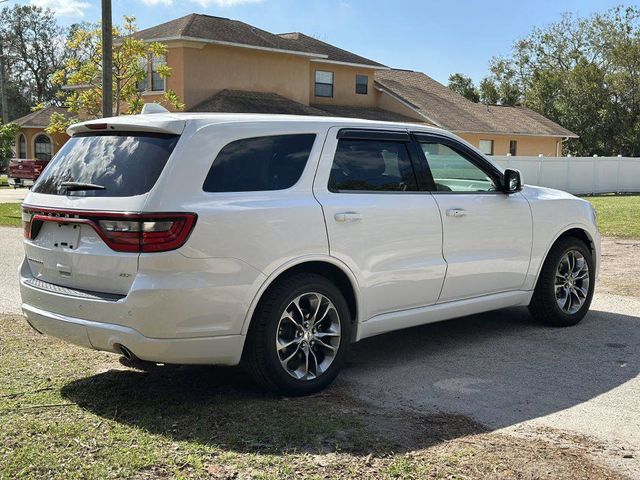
(66,236)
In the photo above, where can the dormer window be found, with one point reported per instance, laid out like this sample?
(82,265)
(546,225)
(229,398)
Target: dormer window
(324,84)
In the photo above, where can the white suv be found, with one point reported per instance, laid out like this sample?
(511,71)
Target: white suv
(276,241)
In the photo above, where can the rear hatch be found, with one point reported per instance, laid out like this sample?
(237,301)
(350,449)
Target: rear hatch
(83,221)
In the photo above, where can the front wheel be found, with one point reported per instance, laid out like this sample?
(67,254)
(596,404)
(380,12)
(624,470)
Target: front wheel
(299,336)
(565,287)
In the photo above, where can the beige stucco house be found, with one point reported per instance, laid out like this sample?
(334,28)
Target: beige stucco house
(224,65)
(32,141)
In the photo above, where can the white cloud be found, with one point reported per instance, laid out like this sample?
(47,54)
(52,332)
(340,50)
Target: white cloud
(153,3)
(225,3)
(64,8)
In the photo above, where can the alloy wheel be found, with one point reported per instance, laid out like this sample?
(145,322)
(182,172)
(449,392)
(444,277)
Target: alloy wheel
(308,336)
(572,282)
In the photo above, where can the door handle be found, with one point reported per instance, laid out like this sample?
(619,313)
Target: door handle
(348,216)
(456,212)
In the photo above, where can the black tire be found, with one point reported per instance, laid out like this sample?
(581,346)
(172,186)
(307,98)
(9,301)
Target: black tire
(544,306)
(260,358)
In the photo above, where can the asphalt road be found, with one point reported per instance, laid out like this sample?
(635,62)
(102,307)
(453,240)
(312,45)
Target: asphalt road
(501,368)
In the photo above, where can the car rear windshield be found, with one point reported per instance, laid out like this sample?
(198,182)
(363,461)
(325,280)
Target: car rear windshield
(113,164)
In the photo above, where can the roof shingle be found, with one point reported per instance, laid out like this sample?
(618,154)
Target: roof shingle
(239,101)
(452,111)
(306,43)
(41,118)
(367,113)
(225,30)
(220,29)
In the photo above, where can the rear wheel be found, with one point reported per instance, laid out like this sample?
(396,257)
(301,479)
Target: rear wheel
(299,336)
(565,287)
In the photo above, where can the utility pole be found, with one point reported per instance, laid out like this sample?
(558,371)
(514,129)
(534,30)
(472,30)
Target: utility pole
(107,60)
(3,91)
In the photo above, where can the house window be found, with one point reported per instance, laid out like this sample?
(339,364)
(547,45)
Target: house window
(152,80)
(157,81)
(43,147)
(362,84)
(324,84)
(142,83)
(486,147)
(513,147)
(22,146)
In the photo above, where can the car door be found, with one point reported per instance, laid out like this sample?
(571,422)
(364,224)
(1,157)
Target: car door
(378,222)
(487,234)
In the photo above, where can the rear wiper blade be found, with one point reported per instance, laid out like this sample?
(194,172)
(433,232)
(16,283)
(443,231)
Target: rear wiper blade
(77,186)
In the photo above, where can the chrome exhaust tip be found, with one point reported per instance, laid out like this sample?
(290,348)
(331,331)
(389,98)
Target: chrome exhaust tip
(126,353)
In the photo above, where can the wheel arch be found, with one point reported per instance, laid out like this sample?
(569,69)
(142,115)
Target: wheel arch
(576,231)
(328,267)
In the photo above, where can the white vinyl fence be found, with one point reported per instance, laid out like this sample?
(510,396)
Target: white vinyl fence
(584,175)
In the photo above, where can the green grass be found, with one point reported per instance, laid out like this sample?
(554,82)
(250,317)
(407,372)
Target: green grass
(4,182)
(618,215)
(10,215)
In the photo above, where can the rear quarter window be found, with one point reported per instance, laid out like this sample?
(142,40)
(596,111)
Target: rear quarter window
(260,163)
(125,164)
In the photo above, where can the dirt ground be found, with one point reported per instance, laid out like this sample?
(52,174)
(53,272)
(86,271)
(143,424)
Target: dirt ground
(620,269)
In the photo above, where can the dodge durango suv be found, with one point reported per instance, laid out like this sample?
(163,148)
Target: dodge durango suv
(275,242)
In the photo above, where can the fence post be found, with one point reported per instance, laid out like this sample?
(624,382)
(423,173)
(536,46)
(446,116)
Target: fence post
(618,174)
(539,170)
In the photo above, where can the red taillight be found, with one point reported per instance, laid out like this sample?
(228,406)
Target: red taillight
(147,232)
(122,232)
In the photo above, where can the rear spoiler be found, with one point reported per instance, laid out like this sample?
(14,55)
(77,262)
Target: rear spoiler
(153,120)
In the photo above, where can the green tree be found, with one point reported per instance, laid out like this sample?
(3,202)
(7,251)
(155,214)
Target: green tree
(583,73)
(489,92)
(8,133)
(82,73)
(33,48)
(464,86)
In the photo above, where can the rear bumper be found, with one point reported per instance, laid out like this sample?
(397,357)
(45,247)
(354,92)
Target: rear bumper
(221,350)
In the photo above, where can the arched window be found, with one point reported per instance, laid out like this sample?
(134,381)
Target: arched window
(43,147)
(22,146)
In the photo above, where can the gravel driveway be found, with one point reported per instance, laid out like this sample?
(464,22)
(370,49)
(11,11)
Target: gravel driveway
(501,368)
(11,253)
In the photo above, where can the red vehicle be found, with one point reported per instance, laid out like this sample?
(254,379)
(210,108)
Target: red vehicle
(23,173)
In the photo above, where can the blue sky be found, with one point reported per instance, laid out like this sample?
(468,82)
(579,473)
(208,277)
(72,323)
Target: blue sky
(435,37)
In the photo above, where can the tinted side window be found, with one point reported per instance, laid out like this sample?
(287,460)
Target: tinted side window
(259,163)
(452,172)
(371,165)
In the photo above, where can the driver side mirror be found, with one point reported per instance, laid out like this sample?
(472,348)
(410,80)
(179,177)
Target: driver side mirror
(512,181)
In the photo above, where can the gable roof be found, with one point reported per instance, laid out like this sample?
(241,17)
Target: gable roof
(334,54)
(225,31)
(219,30)
(41,118)
(450,110)
(240,101)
